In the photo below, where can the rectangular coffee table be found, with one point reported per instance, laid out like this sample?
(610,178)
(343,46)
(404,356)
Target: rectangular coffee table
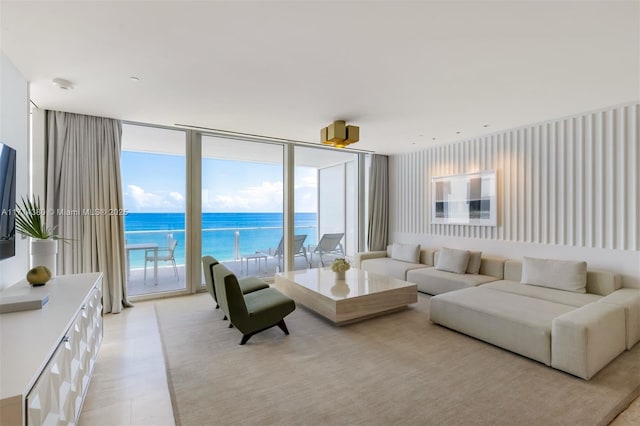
(359,296)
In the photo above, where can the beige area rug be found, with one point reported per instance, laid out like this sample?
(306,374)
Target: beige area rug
(396,369)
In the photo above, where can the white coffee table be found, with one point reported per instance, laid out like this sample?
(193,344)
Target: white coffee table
(359,296)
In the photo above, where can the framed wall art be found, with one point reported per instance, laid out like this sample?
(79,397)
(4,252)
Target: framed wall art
(467,199)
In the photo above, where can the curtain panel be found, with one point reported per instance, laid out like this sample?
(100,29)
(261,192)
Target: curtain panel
(378,233)
(84,189)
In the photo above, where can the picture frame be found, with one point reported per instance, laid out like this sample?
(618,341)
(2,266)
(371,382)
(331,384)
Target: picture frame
(465,199)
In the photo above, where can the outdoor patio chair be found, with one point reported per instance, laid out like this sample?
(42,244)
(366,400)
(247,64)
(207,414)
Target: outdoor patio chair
(328,244)
(166,254)
(248,284)
(298,250)
(253,312)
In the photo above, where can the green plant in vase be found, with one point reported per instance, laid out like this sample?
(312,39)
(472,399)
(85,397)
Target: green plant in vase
(31,222)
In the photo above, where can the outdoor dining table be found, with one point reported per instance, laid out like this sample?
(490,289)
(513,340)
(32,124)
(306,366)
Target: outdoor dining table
(145,247)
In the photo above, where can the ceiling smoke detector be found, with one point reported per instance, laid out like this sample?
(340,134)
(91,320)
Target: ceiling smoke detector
(63,84)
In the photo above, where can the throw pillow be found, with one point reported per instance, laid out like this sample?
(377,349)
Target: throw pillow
(475,257)
(453,260)
(406,252)
(558,274)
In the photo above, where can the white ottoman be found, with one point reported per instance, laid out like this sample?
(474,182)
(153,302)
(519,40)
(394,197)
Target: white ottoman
(629,299)
(584,340)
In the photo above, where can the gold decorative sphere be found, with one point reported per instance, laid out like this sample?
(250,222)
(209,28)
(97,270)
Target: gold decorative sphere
(38,275)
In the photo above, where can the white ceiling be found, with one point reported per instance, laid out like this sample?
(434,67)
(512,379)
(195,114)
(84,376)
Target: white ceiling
(405,72)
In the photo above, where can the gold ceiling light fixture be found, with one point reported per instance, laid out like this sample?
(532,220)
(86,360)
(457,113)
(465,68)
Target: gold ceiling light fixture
(339,134)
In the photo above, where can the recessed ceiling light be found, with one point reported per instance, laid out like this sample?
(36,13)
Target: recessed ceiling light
(433,139)
(63,84)
(486,125)
(134,78)
(457,133)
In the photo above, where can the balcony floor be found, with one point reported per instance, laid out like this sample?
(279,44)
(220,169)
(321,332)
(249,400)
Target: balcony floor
(167,280)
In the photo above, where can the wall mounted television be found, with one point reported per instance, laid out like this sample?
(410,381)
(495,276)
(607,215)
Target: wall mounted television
(7,201)
(467,199)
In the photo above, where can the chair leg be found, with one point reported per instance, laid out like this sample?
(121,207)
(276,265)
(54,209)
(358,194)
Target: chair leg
(145,271)
(217,306)
(175,269)
(283,326)
(230,325)
(224,319)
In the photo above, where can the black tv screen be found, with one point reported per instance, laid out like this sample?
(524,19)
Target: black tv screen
(7,201)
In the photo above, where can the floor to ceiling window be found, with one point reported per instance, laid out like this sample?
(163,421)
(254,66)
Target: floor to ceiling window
(326,185)
(242,204)
(241,190)
(154,187)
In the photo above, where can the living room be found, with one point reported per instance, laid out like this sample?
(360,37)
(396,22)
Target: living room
(544,94)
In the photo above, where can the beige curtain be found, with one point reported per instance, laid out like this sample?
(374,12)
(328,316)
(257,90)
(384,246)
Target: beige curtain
(84,188)
(378,203)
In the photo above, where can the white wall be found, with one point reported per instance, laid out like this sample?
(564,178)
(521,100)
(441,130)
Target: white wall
(14,131)
(567,189)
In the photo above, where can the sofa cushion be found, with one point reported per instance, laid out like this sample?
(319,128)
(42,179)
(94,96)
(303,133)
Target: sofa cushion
(598,282)
(406,252)
(453,260)
(552,295)
(434,281)
(559,274)
(519,324)
(389,267)
(475,258)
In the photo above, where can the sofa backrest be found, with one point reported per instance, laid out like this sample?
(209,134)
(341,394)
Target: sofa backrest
(598,282)
(493,266)
(427,256)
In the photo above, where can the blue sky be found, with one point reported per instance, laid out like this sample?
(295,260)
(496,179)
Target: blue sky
(156,183)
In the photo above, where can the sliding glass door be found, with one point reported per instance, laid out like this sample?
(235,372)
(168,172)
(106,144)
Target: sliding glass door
(326,190)
(154,183)
(242,204)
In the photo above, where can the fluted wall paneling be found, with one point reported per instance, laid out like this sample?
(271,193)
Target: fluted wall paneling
(571,181)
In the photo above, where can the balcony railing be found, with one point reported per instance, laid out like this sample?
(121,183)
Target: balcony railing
(225,244)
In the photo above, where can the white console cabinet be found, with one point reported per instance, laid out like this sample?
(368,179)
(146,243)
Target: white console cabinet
(47,355)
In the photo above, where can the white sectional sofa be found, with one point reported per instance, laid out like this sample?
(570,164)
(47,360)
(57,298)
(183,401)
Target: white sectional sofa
(576,330)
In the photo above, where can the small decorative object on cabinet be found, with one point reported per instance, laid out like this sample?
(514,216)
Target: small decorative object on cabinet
(38,276)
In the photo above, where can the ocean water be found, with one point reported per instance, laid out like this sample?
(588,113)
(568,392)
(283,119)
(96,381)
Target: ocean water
(222,233)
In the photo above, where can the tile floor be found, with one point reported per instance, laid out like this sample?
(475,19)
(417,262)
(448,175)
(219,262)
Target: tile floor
(129,384)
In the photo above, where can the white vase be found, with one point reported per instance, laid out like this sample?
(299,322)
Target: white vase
(340,275)
(44,253)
